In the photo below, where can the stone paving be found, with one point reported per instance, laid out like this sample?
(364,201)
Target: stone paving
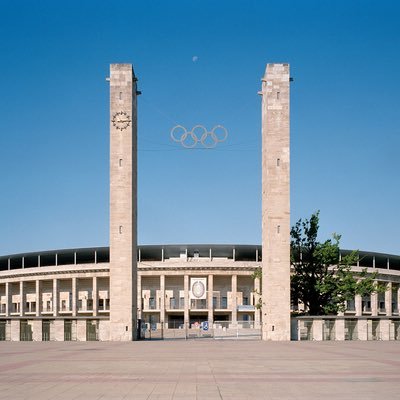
(200,369)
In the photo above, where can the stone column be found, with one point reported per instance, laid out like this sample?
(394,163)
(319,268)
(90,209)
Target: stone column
(362,329)
(74,296)
(123,202)
(139,296)
(38,302)
(210,299)
(37,330)
(162,302)
(8,299)
(256,300)
(94,296)
(276,203)
(15,330)
(398,299)
(234,300)
(186,291)
(384,327)
(55,297)
(339,329)
(21,298)
(358,305)
(317,329)
(374,304)
(388,299)
(81,330)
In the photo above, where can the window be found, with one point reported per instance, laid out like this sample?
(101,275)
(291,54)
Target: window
(350,305)
(152,303)
(215,302)
(224,302)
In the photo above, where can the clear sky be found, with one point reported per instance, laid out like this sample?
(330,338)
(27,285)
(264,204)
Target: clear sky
(198,62)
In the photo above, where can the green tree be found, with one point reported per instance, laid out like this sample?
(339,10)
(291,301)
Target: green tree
(320,279)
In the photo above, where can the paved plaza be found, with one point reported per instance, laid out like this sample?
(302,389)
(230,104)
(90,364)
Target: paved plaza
(200,369)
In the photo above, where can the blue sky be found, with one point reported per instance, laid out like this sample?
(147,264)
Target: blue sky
(345,140)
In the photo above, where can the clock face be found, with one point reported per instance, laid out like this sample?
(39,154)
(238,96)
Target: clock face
(121,120)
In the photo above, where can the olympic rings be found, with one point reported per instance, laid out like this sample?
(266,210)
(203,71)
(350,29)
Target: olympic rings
(199,134)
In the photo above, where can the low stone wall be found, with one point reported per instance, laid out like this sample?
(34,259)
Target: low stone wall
(345,328)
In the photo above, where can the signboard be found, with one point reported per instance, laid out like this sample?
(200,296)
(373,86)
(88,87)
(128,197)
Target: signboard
(205,325)
(198,288)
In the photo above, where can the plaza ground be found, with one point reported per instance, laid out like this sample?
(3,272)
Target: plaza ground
(199,369)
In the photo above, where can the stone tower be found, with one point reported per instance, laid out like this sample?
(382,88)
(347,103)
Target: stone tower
(275,203)
(123,202)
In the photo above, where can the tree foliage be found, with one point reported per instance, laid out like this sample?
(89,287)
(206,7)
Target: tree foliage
(321,280)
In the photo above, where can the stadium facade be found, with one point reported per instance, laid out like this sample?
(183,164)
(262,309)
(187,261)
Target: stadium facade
(65,294)
(125,292)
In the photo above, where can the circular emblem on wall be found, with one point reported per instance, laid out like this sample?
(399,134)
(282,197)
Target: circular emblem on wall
(121,120)
(198,289)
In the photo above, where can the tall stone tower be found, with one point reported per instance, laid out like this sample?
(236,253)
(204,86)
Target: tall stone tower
(275,203)
(123,202)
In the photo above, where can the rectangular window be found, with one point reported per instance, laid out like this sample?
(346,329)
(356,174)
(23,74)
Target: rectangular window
(172,303)
(224,302)
(215,302)
(152,303)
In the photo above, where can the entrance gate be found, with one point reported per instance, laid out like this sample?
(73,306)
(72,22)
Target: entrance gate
(25,334)
(45,330)
(91,331)
(67,330)
(2,330)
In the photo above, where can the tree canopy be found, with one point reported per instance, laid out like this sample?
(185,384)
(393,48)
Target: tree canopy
(321,280)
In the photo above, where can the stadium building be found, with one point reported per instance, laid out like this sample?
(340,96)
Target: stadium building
(126,292)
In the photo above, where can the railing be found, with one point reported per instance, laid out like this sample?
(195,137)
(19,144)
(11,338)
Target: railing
(198,304)
(201,330)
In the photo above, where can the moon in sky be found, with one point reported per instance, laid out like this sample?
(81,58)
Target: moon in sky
(195,58)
